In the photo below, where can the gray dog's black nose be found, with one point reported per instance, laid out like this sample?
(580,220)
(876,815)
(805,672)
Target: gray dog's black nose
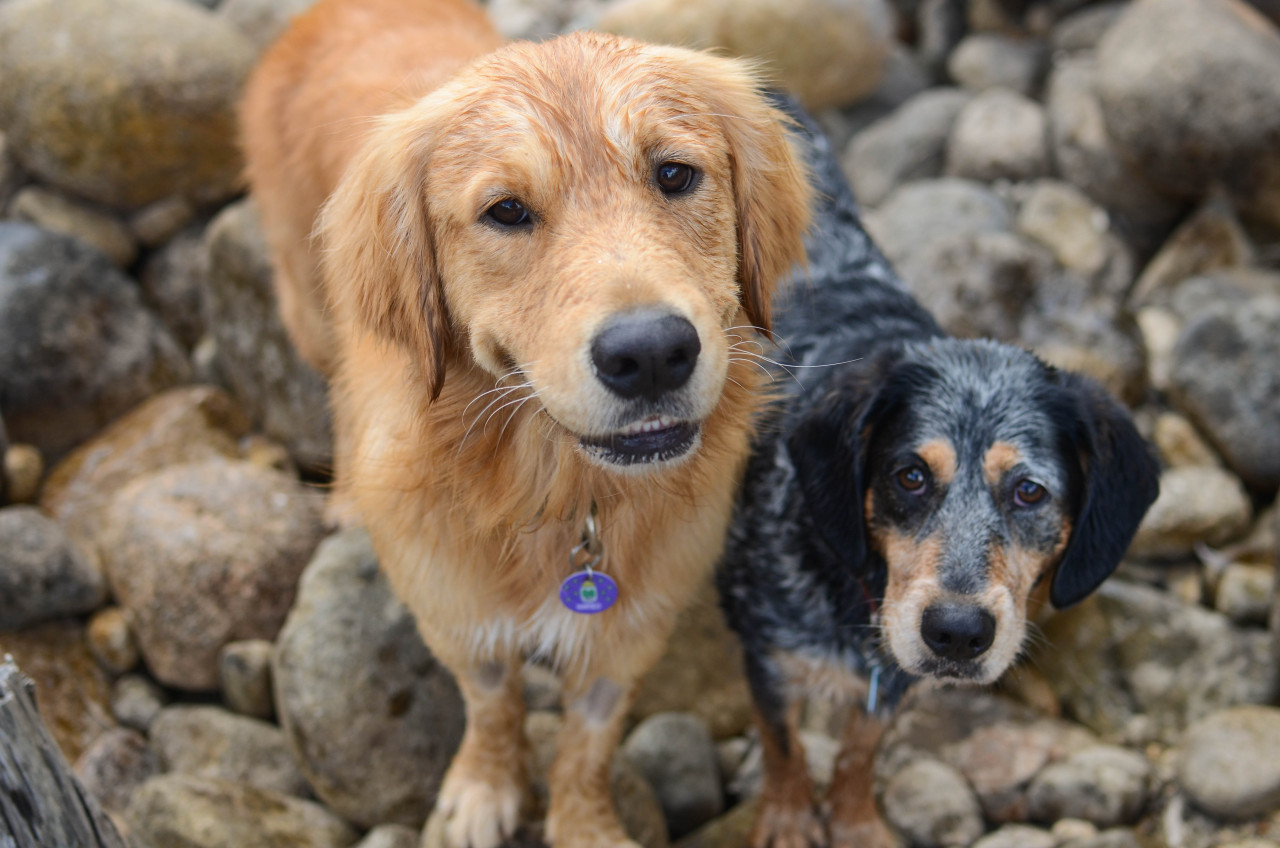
(957,631)
(645,353)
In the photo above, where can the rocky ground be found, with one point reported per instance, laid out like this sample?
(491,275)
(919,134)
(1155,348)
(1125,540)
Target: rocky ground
(1099,181)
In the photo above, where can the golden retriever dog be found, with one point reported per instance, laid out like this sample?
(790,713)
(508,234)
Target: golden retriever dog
(530,272)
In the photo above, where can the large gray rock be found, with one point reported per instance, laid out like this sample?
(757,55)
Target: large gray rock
(123,101)
(207,553)
(42,575)
(1226,378)
(1196,505)
(371,716)
(211,742)
(284,395)
(1104,784)
(201,812)
(1191,90)
(675,753)
(932,805)
(908,144)
(77,347)
(917,214)
(1228,764)
(1134,660)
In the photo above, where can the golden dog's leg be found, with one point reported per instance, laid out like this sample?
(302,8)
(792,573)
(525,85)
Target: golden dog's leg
(487,781)
(787,818)
(855,822)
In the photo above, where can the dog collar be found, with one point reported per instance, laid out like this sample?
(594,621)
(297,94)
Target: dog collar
(587,590)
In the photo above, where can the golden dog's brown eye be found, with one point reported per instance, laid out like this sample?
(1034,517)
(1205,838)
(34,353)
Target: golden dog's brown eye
(1028,493)
(508,212)
(912,479)
(675,177)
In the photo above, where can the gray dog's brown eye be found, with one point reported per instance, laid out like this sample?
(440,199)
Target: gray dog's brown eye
(1028,493)
(675,177)
(508,212)
(912,479)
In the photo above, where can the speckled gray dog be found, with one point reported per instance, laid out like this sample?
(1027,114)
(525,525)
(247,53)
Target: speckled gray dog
(909,506)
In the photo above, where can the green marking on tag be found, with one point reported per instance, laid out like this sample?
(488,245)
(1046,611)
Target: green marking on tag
(588,594)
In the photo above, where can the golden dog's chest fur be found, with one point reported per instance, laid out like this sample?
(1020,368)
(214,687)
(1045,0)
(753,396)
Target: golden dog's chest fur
(379,135)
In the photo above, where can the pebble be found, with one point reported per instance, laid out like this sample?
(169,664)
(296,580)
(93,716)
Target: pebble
(112,642)
(932,805)
(371,717)
(921,212)
(1212,238)
(23,471)
(117,763)
(1103,784)
(42,574)
(123,102)
(77,346)
(999,135)
(985,61)
(1229,764)
(60,214)
(908,144)
(390,836)
(136,700)
(181,809)
(202,554)
(1196,504)
(675,753)
(1017,836)
(156,223)
(244,677)
(211,742)
(1246,592)
(173,280)
(1075,229)
(1178,442)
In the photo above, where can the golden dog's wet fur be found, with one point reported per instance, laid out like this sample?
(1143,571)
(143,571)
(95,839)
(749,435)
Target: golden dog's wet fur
(457,349)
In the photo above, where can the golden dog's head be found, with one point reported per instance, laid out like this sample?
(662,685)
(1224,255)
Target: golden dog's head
(592,216)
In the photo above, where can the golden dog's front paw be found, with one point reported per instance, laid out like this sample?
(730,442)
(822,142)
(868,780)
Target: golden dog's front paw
(478,813)
(865,834)
(788,826)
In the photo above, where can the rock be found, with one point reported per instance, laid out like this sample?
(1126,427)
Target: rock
(4,469)
(184,810)
(1197,504)
(539,19)
(156,223)
(117,763)
(262,21)
(123,102)
(820,752)
(1085,155)
(173,280)
(826,52)
(211,742)
(1226,378)
(940,25)
(1062,218)
(373,719)
(1210,239)
(244,676)
(1105,785)
(1114,838)
(23,470)
(675,754)
(71,690)
(1074,830)
(57,213)
(1228,764)
(255,357)
(182,425)
(542,688)
(1017,836)
(1132,651)
(984,61)
(1081,31)
(700,672)
(999,135)
(390,836)
(931,804)
(203,554)
(1179,444)
(732,830)
(11,176)
(111,641)
(136,701)
(908,144)
(1106,347)
(1190,89)
(77,347)
(42,575)
(904,78)
(919,213)
(1245,593)
(977,285)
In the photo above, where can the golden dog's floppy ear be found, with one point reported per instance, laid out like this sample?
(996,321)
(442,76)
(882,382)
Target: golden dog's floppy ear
(771,186)
(379,262)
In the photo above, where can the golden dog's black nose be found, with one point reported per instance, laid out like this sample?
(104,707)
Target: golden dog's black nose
(645,353)
(957,631)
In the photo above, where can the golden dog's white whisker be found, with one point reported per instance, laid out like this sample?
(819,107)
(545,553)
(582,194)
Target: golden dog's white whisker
(517,403)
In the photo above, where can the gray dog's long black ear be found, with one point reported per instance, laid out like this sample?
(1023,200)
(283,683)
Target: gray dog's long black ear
(1121,480)
(828,448)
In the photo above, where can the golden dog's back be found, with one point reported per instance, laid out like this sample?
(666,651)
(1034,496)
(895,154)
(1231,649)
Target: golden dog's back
(307,108)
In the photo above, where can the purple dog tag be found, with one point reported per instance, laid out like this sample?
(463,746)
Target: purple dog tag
(588,592)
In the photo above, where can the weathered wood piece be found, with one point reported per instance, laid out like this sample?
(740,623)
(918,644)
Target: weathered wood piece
(42,804)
